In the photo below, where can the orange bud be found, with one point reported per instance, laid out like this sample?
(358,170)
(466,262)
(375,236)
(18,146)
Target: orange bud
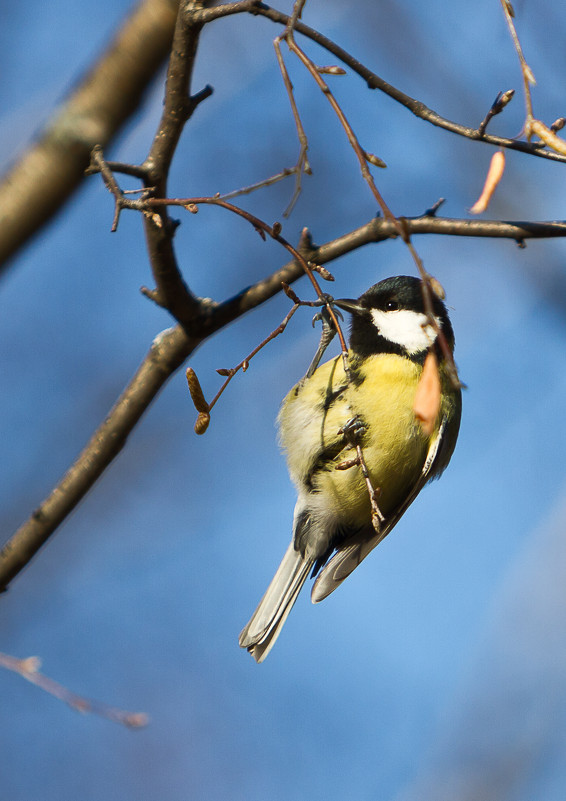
(494,176)
(427,397)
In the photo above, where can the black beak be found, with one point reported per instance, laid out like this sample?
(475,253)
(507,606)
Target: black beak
(349,305)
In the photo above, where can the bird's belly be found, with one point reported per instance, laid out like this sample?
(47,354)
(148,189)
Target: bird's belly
(393,444)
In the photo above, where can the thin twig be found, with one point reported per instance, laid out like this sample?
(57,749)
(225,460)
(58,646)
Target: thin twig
(352,138)
(527,73)
(246,190)
(302,164)
(377,517)
(29,669)
(351,433)
(532,126)
(204,408)
(171,292)
(230,372)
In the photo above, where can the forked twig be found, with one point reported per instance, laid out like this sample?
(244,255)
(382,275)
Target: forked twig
(201,405)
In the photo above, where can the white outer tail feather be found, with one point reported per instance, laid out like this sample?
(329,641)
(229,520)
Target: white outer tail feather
(265,624)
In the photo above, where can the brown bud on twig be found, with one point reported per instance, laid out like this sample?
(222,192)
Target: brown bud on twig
(155,218)
(289,292)
(197,394)
(431,212)
(152,294)
(502,99)
(558,124)
(322,271)
(375,160)
(202,423)
(276,228)
(224,372)
(332,70)
(192,207)
(437,287)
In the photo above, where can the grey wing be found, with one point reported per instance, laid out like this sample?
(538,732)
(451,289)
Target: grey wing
(346,559)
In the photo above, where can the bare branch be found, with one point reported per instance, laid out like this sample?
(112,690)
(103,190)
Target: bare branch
(173,346)
(44,178)
(375,82)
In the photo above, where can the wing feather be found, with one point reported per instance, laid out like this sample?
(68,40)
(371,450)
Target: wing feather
(349,556)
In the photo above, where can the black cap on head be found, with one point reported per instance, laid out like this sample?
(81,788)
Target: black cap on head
(401,292)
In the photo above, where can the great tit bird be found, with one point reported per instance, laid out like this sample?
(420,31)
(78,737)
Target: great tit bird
(327,414)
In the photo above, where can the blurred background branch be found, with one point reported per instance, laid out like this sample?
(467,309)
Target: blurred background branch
(37,186)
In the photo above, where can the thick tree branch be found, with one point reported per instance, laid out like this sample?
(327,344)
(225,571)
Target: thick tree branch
(173,346)
(171,290)
(38,185)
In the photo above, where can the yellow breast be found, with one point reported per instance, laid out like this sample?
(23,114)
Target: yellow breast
(394,446)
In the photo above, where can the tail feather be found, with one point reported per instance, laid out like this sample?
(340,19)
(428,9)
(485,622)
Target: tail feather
(340,566)
(265,624)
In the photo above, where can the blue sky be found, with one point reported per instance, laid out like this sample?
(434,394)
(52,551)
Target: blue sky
(436,671)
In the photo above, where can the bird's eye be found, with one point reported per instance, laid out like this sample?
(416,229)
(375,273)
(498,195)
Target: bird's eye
(391,305)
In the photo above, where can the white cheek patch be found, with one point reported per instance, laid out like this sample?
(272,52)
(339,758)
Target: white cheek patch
(409,329)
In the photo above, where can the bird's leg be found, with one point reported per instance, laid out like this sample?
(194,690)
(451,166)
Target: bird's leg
(353,430)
